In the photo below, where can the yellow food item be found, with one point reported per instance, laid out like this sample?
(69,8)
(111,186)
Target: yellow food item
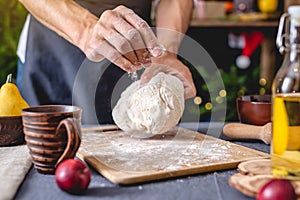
(280,126)
(11,101)
(267,6)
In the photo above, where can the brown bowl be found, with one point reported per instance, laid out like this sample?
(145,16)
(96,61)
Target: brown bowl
(11,131)
(254,109)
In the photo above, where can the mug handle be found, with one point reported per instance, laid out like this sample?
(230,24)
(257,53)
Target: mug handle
(73,140)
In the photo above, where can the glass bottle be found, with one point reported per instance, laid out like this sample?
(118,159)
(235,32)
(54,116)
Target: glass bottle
(285,147)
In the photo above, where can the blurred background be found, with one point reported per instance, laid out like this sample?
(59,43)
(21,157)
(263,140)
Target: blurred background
(226,29)
(12,15)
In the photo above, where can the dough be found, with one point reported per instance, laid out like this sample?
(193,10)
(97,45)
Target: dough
(152,109)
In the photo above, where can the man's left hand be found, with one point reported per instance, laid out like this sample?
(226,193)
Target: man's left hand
(169,64)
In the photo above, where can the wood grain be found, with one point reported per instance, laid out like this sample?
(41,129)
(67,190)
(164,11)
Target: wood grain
(126,160)
(253,175)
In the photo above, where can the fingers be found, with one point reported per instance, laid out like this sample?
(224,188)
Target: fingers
(175,68)
(145,31)
(104,48)
(141,52)
(124,38)
(189,86)
(119,43)
(189,90)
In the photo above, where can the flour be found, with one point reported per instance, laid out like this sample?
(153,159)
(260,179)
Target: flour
(152,109)
(178,150)
(126,160)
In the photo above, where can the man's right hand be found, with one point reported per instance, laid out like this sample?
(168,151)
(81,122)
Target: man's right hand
(124,38)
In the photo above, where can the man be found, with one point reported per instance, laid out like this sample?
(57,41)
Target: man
(62,33)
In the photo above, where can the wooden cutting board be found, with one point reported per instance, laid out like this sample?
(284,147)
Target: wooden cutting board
(126,160)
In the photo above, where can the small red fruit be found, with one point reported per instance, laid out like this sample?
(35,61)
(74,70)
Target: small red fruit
(73,176)
(277,189)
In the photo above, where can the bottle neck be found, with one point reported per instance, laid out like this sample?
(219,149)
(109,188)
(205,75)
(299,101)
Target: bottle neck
(294,52)
(294,32)
(294,40)
(287,79)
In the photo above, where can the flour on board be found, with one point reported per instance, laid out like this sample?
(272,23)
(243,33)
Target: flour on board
(178,148)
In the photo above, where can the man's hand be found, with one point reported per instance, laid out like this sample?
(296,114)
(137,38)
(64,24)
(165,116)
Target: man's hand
(169,64)
(119,35)
(124,38)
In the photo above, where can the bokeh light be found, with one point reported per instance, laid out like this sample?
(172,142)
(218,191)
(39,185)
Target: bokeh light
(197,100)
(262,81)
(223,93)
(208,106)
(219,99)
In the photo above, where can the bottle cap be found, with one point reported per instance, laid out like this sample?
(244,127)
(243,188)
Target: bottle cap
(294,12)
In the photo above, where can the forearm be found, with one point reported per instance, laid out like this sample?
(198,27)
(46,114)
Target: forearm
(65,17)
(174,15)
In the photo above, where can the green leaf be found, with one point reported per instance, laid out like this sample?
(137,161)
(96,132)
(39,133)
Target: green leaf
(12,15)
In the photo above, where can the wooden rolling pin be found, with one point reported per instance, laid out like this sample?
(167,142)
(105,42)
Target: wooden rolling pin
(246,131)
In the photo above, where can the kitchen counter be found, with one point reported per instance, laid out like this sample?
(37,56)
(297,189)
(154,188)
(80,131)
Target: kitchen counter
(205,186)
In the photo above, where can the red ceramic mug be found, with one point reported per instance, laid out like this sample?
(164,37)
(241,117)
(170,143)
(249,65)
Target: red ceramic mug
(52,134)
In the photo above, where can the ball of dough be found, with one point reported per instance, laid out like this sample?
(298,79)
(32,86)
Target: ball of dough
(153,108)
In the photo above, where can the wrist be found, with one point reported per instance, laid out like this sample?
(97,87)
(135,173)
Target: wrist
(171,47)
(166,56)
(169,39)
(86,33)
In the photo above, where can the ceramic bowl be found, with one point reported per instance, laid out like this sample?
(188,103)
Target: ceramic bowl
(11,131)
(254,109)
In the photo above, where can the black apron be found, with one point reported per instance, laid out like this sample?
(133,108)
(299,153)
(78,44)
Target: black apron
(57,72)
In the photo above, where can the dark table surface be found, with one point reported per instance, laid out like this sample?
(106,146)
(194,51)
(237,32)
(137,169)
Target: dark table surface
(205,186)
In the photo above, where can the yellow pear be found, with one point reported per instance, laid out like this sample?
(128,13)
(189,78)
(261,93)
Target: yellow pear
(11,101)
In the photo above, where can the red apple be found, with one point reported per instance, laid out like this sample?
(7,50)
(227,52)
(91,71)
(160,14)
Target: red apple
(73,176)
(277,189)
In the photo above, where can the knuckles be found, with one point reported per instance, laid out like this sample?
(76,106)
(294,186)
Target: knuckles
(123,10)
(142,24)
(132,35)
(107,15)
(124,46)
(119,10)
